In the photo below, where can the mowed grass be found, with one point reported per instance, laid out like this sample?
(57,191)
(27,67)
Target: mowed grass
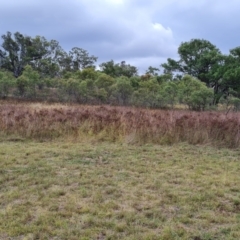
(66,189)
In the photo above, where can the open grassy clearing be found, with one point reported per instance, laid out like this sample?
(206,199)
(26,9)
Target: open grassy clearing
(66,189)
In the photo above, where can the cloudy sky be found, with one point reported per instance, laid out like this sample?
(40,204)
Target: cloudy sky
(141,32)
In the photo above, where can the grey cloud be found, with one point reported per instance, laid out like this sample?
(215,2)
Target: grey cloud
(216,21)
(140,32)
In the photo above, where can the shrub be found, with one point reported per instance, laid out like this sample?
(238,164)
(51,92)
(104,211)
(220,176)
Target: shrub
(195,93)
(6,83)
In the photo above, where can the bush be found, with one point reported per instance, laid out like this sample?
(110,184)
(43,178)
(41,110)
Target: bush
(28,82)
(236,103)
(122,91)
(6,83)
(195,93)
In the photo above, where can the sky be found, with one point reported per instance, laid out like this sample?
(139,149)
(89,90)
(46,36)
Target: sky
(141,32)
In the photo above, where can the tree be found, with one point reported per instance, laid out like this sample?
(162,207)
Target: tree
(118,69)
(126,70)
(19,50)
(225,75)
(15,53)
(197,58)
(80,59)
(48,54)
(152,71)
(231,73)
(65,62)
(76,60)
(108,68)
(203,60)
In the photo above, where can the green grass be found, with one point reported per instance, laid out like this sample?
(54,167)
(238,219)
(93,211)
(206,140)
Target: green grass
(65,189)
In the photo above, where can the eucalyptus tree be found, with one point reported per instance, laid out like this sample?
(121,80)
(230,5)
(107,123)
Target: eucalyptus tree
(15,53)
(80,59)
(18,50)
(118,69)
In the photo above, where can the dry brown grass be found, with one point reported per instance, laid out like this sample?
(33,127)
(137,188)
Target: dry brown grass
(120,123)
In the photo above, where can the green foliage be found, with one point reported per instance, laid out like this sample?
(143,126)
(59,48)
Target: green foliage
(202,98)
(231,72)
(195,93)
(104,87)
(152,71)
(15,53)
(164,78)
(6,83)
(22,85)
(169,92)
(118,69)
(81,91)
(84,90)
(148,94)
(89,73)
(196,59)
(150,85)
(102,95)
(200,59)
(122,91)
(231,102)
(149,99)
(19,51)
(28,82)
(135,81)
(80,59)
(71,86)
(39,64)
(46,57)
(236,103)
(104,81)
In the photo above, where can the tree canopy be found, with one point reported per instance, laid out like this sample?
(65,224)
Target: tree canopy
(201,77)
(47,57)
(203,60)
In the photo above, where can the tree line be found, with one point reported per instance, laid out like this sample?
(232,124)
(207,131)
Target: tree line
(35,68)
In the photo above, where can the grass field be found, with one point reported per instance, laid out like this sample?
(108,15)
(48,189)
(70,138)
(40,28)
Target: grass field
(87,189)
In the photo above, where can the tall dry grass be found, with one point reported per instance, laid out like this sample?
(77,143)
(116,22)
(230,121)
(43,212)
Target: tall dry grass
(120,123)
